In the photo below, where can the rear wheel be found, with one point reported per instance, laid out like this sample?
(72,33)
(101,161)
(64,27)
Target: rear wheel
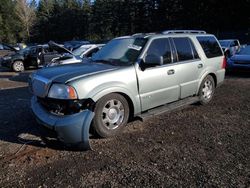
(18,66)
(206,90)
(111,115)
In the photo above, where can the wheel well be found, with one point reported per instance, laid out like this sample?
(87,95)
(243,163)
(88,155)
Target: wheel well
(214,77)
(130,104)
(16,61)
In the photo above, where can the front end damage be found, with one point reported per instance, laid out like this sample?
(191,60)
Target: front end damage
(68,118)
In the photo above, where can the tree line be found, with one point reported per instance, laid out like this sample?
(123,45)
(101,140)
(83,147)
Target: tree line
(100,20)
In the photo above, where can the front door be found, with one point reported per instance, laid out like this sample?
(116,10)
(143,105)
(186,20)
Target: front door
(158,85)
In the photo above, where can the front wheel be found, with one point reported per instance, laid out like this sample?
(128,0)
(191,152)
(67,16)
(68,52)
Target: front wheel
(18,66)
(206,90)
(111,115)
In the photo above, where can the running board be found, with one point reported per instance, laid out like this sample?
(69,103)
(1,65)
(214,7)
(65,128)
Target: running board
(168,107)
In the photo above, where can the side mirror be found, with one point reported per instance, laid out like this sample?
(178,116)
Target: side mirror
(153,60)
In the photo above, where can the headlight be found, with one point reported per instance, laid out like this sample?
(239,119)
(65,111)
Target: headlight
(7,58)
(61,91)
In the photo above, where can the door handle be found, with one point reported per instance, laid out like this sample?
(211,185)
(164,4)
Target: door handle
(170,71)
(200,65)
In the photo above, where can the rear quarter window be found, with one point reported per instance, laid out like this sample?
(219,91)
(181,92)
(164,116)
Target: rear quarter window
(210,46)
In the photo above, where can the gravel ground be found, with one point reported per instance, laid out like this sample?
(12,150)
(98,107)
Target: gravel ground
(194,146)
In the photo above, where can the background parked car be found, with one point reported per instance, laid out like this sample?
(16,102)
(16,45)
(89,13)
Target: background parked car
(74,44)
(54,50)
(31,56)
(85,51)
(230,46)
(241,60)
(20,46)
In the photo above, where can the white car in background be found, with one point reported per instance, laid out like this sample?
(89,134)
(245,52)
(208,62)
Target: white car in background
(230,46)
(77,55)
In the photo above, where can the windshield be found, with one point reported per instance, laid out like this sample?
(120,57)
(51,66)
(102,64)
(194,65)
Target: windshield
(244,51)
(121,51)
(224,43)
(79,51)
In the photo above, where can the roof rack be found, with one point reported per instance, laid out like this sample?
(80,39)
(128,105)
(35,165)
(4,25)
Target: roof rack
(184,31)
(142,34)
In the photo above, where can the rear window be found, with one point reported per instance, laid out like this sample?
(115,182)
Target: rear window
(210,46)
(185,49)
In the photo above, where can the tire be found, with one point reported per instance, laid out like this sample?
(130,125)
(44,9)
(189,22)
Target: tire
(18,66)
(111,115)
(206,90)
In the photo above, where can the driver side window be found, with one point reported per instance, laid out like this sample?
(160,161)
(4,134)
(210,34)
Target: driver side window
(161,47)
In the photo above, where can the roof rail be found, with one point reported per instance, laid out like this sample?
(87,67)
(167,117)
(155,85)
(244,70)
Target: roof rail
(184,31)
(138,34)
(142,34)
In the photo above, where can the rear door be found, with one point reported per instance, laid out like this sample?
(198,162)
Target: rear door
(188,65)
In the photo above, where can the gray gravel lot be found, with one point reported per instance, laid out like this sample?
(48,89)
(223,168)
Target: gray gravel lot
(193,146)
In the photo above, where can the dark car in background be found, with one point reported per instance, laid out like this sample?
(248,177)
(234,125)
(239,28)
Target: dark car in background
(74,44)
(241,60)
(32,56)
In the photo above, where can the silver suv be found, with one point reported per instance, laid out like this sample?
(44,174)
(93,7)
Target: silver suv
(132,76)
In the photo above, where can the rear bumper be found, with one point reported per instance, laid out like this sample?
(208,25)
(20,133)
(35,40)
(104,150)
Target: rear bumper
(71,129)
(220,75)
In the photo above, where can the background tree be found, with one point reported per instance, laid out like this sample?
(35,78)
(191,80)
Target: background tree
(9,24)
(101,20)
(26,14)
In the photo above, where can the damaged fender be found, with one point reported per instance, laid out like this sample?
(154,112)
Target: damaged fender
(71,129)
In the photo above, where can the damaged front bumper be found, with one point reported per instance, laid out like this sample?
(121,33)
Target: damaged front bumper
(71,129)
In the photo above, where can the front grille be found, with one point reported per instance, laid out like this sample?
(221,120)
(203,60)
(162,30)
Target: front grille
(242,62)
(40,86)
(59,106)
(65,106)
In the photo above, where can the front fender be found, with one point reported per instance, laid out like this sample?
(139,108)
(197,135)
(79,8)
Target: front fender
(105,89)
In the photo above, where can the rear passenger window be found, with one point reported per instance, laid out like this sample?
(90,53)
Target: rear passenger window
(210,46)
(184,49)
(161,47)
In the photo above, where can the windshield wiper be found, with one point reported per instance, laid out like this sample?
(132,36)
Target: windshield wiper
(114,62)
(105,61)
(101,61)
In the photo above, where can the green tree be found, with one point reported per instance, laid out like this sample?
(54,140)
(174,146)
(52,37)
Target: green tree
(10,27)
(26,15)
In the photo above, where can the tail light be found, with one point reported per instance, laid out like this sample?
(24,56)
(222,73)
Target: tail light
(224,63)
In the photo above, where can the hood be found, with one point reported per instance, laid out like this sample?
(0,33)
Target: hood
(59,48)
(239,57)
(11,48)
(14,55)
(70,72)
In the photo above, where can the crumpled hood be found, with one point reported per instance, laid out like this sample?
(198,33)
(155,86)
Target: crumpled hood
(70,72)
(59,48)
